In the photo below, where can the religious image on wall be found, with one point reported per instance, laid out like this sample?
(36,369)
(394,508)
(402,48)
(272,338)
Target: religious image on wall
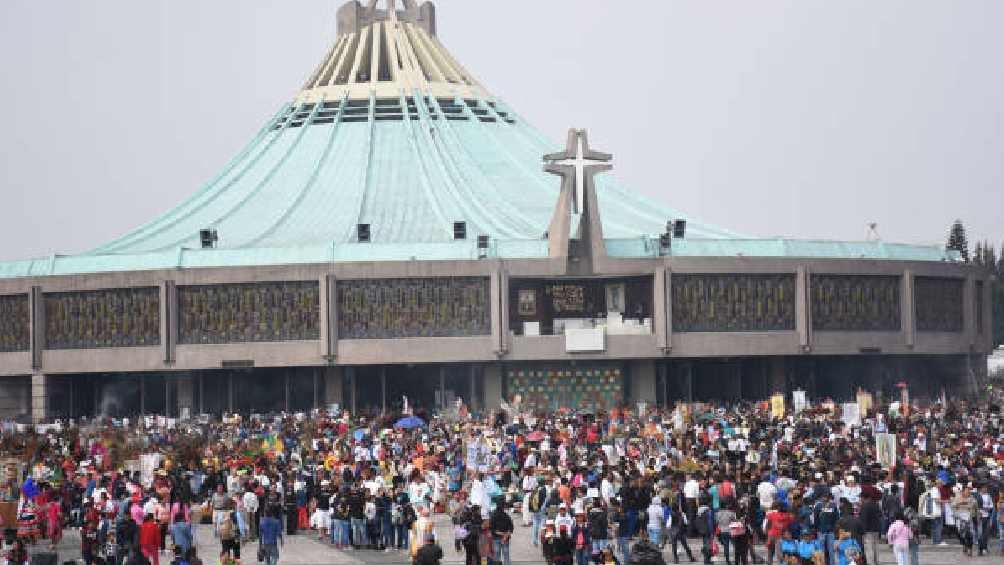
(527,302)
(426,307)
(15,323)
(576,388)
(615,298)
(249,312)
(567,298)
(938,304)
(120,317)
(855,303)
(733,302)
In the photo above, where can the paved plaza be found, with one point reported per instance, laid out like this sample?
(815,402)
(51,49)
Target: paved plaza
(306,550)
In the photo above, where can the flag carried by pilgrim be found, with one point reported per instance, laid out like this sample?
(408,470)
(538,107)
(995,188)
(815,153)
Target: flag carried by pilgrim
(885,450)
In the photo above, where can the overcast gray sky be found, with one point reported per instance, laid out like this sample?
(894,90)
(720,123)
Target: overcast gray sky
(801,118)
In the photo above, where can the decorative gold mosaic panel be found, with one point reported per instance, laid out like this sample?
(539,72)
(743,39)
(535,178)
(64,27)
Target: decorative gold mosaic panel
(855,303)
(249,312)
(431,307)
(15,323)
(938,304)
(120,317)
(733,302)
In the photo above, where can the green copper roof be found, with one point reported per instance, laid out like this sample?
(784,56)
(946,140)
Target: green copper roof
(296,194)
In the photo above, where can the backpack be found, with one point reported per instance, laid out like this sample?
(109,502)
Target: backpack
(737,529)
(537,500)
(227,529)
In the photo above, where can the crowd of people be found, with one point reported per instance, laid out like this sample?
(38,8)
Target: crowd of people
(740,483)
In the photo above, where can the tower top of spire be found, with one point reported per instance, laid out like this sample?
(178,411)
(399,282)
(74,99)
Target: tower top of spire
(353,15)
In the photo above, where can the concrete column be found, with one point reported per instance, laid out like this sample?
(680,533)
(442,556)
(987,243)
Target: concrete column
(643,381)
(493,386)
(907,310)
(39,397)
(333,386)
(168,321)
(186,395)
(660,310)
(37,321)
(803,309)
(329,310)
(495,297)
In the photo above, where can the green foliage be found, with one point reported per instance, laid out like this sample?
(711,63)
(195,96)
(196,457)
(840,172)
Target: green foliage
(998,312)
(957,240)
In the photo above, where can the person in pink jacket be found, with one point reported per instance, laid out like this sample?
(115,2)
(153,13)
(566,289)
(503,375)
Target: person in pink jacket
(899,536)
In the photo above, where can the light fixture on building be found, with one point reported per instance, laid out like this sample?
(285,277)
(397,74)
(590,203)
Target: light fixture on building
(208,237)
(363,233)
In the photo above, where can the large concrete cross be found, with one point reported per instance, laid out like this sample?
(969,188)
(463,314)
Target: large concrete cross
(579,162)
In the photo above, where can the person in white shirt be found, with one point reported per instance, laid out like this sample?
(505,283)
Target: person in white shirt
(251,507)
(563,518)
(766,491)
(528,485)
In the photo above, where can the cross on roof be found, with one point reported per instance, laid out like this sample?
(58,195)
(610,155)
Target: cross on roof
(577,160)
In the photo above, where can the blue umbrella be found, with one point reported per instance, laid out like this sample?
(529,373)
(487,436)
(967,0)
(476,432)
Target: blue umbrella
(409,422)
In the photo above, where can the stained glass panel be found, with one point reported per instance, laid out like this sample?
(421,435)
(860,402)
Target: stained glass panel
(733,302)
(120,317)
(15,323)
(431,307)
(249,312)
(938,304)
(855,303)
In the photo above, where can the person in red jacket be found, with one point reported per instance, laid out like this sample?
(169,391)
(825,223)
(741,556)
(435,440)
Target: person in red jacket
(149,539)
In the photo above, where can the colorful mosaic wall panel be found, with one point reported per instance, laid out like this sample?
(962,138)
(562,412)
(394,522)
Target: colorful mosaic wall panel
(733,303)
(575,388)
(432,307)
(250,312)
(15,323)
(938,304)
(855,303)
(120,317)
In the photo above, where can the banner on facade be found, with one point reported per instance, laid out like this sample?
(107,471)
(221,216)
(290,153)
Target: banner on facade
(799,400)
(851,415)
(777,406)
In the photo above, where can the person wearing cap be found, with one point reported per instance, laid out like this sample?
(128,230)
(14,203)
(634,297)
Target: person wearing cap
(563,518)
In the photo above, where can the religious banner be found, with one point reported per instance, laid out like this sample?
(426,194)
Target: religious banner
(865,402)
(799,400)
(885,450)
(777,406)
(851,414)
